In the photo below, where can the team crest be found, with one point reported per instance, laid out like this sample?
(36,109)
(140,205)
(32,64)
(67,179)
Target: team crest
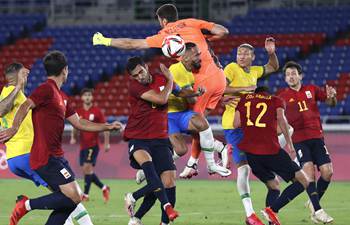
(91,117)
(308,94)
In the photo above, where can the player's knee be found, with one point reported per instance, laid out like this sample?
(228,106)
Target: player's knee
(327,172)
(168,179)
(180,149)
(301,177)
(273,184)
(309,170)
(200,123)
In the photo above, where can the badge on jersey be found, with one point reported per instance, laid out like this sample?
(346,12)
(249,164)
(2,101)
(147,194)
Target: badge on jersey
(308,94)
(65,173)
(91,117)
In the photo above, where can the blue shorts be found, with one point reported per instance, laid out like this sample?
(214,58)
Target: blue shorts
(233,137)
(89,155)
(159,149)
(19,165)
(56,172)
(178,121)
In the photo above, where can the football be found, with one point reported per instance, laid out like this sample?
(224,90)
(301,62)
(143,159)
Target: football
(173,46)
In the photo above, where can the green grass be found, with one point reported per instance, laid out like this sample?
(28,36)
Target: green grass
(199,202)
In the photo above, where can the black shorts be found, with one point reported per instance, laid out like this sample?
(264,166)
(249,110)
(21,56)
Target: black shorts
(312,150)
(89,155)
(160,150)
(265,167)
(56,172)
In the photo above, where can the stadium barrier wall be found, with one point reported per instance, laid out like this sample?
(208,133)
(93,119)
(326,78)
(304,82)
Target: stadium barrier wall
(115,163)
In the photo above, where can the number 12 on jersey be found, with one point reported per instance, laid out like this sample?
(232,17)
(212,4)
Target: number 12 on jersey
(257,123)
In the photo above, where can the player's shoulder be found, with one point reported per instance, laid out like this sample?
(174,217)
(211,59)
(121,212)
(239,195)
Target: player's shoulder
(176,67)
(256,68)
(310,87)
(283,92)
(6,90)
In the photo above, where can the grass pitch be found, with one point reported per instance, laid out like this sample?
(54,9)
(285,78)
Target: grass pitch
(198,201)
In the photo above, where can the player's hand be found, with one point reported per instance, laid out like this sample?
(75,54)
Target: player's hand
(230,100)
(331,92)
(201,91)
(270,45)
(73,141)
(22,77)
(116,125)
(99,39)
(250,88)
(166,72)
(107,147)
(7,134)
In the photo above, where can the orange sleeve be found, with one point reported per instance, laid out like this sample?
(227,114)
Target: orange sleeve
(155,41)
(200,24)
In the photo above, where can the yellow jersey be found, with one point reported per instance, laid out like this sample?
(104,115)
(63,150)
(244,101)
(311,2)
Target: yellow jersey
(237,77)
(183,79)
(22,142)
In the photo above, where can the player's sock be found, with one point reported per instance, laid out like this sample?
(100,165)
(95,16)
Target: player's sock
(313,195)
(154,184)
(206,139)
(196,147)
(244,189)
(59,217)
(192,161)
(218,146)
(81,215)
(69,221)
(87,183)
(97,181)
(175,156)
(146,205)
(271,196)
(322,186)
(287,195)
(171,193)
(55,201)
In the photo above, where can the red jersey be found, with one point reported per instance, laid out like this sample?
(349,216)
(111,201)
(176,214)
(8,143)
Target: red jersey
(90,139)
(146,120)
(51,109)
(302,111)
(258,114)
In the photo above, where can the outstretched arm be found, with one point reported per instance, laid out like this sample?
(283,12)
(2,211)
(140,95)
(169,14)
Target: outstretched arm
(273,64)
(85,125)
(123,43)
(331,96)
(22,112)
(218,31)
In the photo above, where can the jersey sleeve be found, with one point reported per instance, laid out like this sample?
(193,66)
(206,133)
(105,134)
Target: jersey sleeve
(228,71)
(176,89)
(279,103)
(155,41)
(180,79)
(136,89)
(41,95)
(320,94)
(201,24)
(259,71)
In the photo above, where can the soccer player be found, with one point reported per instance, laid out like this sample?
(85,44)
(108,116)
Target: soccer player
(50,107)
(258,115)
(302,113)
(149,145)
(210,75)
(183,120)
(242,77)
(89,144)
(18,147)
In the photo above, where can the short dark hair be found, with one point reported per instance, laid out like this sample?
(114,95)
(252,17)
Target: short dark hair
(133,62)
(168,12)
(292,64)
(85,90)
(54,63)
(190,45)
(13,68)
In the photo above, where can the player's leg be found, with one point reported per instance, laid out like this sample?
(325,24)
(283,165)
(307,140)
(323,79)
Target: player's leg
(60,178)
(198,124)
(176,138)
(168,180)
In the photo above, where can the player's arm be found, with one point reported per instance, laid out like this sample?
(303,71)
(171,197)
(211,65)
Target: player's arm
(107,144)
(331,99)
(123,43)
(218,31)
(237,90)
(85,125)
(17,121)
(190,94)
(237,120)
(73,134)
(273,63)
(283,125)
(160,98)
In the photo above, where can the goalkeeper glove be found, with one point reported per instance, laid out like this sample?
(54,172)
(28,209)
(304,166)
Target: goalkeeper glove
(99,39)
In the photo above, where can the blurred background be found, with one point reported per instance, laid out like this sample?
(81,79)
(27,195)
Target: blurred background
(315,33)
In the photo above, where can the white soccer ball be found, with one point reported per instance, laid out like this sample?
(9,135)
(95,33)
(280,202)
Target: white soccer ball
(173,46)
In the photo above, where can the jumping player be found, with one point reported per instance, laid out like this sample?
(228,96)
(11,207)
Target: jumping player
(89,144)
(149,145)
(50,107)
(302,113)
(258,115)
